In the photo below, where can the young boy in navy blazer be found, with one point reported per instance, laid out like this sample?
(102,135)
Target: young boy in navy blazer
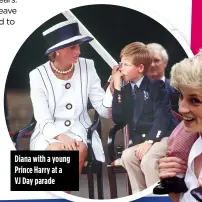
(143,105)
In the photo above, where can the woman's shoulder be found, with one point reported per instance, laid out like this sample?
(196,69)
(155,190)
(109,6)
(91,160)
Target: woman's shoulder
(88,65)
(85,61)
(39,70)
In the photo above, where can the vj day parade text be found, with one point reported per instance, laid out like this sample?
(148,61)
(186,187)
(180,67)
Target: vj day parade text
(37,169)
(46,170)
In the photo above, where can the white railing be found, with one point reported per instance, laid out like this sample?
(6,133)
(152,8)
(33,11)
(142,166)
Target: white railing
(94,43)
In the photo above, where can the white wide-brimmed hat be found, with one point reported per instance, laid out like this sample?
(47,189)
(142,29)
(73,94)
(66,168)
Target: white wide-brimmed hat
(63,35)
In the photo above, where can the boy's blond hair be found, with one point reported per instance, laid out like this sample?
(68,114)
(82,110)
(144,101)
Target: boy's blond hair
(139,53)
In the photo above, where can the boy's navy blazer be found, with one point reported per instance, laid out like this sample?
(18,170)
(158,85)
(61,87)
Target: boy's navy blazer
(148,113)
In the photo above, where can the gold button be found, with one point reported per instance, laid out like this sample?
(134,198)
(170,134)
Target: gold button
(119,98)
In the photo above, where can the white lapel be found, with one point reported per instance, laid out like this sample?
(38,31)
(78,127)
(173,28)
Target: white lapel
(83,81)
(196,150)
(48,86)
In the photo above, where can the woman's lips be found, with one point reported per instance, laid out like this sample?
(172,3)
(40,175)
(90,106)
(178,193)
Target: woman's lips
(188,120)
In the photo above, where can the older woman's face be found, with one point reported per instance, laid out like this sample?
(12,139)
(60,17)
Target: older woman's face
(190,106)
(69,55)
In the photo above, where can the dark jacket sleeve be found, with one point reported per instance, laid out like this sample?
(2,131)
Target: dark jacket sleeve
(173,95)
(162,112)
(170,89)
(122,106)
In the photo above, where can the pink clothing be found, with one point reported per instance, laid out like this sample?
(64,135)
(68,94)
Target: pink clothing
(180,142)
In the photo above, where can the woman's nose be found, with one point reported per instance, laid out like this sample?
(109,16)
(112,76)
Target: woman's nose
(183,107)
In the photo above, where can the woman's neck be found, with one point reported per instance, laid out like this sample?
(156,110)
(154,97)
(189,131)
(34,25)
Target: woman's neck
(63,73)
(62,67)
(198,165)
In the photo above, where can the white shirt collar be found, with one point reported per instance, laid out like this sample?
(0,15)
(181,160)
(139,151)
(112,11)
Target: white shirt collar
(138,83)
(163,78)
(195,150)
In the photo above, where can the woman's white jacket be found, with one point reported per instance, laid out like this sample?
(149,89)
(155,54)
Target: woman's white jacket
(60,106)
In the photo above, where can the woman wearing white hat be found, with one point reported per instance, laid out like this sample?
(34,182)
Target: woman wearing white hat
(60,89)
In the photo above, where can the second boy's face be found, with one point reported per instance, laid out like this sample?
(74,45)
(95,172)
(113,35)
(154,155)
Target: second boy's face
(130,71)
(190,106)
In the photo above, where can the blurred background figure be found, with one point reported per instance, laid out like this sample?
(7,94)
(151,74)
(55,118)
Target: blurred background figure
(157,71)
(159,64)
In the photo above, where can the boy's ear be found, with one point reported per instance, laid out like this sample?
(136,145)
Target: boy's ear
(141,68)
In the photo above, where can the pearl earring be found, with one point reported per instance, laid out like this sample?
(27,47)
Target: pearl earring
(57,53)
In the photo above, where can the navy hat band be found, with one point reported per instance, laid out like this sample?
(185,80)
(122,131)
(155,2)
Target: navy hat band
(62,34)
